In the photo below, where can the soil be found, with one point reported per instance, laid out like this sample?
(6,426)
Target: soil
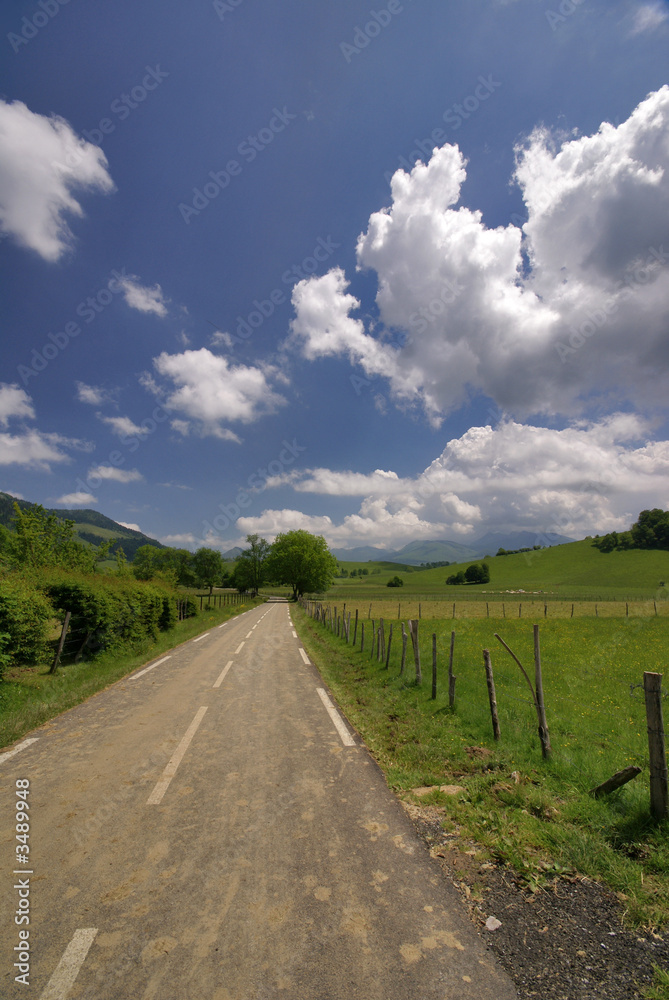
(564,941)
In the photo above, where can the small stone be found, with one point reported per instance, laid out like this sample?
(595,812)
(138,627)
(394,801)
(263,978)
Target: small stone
(492,923)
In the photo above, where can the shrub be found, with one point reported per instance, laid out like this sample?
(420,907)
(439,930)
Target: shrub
(456,578)
(25,616)
(395,582)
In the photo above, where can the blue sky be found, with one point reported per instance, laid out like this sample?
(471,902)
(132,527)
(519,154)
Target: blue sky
(382,272)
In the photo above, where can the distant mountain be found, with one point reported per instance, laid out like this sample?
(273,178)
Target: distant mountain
(489,543)
(444,550)
(233,553)
(363,553)
(90,525)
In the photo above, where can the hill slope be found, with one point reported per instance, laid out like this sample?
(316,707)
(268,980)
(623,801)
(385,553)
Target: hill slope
(90,525)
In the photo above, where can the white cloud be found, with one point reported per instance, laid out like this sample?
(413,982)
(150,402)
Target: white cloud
(93,394)
(573,306)
(584,479)
(76,499)
(648,17)
(147,300)
(212,392)
(123,426)
(110,472)
(14,402)
(131,527)
(42,161)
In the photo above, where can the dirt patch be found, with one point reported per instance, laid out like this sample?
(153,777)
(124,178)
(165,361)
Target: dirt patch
(565,941)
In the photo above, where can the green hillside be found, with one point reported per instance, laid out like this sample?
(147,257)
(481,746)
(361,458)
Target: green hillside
(574,570)
(91,526)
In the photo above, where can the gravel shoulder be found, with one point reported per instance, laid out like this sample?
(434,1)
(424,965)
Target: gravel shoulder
(565,941)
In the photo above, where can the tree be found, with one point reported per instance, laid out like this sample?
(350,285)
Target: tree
(303,561)
(145,563)
(250,570)
(396,581)
(208,568)
(44,540)
(457,578)
(477,573)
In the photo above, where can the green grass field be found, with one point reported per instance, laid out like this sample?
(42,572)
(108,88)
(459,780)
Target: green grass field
(533,814)
(570,572)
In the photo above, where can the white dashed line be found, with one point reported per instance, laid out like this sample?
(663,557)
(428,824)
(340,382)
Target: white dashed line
(202,636)
(176,758)
(304,656)
(239,648)
(67,969)
(249,634)
(294,634)
(18,749)
(346,737)
(146,669)
(221,678)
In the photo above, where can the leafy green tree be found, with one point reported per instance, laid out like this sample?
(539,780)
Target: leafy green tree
(208,568)
(303,561)
(145,563)
(396,581)
(477,573)
(250,570)
(456,578)
(44,540)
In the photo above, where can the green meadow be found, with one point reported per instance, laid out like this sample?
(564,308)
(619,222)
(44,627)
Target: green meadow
(533,814)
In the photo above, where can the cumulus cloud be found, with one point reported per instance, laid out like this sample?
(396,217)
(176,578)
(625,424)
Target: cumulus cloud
(113,474)
(209,392)
(587,478)
(131,526)
(123,426)
(137,296)
(14,402)
(541,318)
(42,162)
(93,394)
(79,499)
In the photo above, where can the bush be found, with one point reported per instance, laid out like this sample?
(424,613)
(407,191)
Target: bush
(25,617)
(395,582)
(457,578)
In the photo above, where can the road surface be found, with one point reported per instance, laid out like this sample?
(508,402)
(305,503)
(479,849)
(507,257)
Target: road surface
(210,828)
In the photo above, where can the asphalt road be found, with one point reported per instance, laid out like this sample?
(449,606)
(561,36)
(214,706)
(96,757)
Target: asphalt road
(211,829)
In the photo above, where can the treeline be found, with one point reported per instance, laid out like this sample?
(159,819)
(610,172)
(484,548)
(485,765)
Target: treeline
(476,573)
(649,531)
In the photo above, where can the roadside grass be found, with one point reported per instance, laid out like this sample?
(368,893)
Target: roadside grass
(534,815)
(30,696)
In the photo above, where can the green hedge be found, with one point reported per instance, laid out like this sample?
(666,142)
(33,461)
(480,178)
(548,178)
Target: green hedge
(26,616)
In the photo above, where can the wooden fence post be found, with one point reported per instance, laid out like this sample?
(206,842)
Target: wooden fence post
(404,650)
(434,665)
(61,643)
(491,694)
(539,687)
(413,632)
(659,795)
(451,677)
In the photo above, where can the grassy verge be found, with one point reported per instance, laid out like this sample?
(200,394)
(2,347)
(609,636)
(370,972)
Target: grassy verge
(534,815)
(30,696)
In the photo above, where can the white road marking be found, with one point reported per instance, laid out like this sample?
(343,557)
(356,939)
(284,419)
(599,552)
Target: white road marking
(221,678)
(294,634)
(304,656)
(176,758)
(249,634)
(346,737)
(223,625)
(67,969)
(146,669)
(239,648)
(202,636)
(18,748)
